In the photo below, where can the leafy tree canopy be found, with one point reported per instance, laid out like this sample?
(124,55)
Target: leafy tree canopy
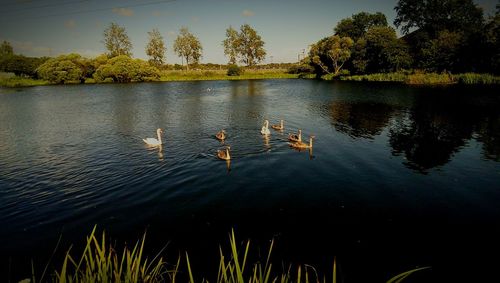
(330,53)
(124,69)
(250,46)
(21,65)
(156,48)
(356,26)
(188,46)
(437,15)
(64,68)
(117,41)
(6,49)
(382,51)
(231,45)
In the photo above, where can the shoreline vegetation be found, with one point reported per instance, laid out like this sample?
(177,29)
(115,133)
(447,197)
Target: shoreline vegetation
(443,43)
(102,261)
(408,78)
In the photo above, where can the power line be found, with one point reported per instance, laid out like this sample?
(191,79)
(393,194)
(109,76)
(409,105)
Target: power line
(96,10)
(44,6)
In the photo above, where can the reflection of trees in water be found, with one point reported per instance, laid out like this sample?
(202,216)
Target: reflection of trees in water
(428,139)
(435,129)
(360,120)
(430,132)
(489,135)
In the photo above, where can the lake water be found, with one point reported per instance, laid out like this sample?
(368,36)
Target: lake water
(398,177)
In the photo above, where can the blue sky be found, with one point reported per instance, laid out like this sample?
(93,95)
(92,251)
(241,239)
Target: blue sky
(53,27)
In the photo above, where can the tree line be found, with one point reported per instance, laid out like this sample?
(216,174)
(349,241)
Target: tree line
(438,36)
(117,65)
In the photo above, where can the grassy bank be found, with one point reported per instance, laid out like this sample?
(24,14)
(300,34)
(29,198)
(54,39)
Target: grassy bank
(101,261)
(168,76)
(20,82)
(209,75)
(427,78)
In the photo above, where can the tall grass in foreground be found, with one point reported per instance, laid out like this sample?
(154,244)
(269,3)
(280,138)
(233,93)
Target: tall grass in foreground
(100,263)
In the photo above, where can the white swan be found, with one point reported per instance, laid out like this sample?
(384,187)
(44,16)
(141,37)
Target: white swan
(265,128)
(153,141)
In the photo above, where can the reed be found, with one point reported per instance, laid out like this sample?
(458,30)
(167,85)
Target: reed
(421,78)
(100,263)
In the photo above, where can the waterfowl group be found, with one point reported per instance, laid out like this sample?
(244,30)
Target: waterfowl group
(295,140)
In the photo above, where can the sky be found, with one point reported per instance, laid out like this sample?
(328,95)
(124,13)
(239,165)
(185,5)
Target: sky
(288,27)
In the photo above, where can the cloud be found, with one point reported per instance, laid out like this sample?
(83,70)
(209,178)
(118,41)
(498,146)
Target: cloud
(123,12)
(156,14)
(247,13)
(70,24)
(195,19)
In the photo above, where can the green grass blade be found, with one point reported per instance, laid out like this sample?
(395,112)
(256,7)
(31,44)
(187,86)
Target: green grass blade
(191,280)
(400,277)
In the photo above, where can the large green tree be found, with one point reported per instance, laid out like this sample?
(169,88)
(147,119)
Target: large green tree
(434,16)
(330,54)
(231,44)
(156,48)
(21,65)
(357,25)
(441,53)
(188,46)
(117,41)
(250,46)
(6,49)
(381,51)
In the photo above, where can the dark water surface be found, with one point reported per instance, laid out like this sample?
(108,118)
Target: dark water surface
(399,176)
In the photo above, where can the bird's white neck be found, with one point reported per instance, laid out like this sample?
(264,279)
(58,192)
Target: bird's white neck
(159,136)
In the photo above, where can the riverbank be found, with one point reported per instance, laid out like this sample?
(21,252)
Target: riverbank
(426,78)
(169,76)
(220,75)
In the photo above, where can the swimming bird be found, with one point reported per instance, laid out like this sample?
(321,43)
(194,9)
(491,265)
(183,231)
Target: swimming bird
(301,145)
(224,154)
(295,137)
(153,141)
(265,128)
(278,127)
(221,135)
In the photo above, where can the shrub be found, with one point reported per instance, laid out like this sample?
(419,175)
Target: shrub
(234,70)
(63,69)
(124,69)
(300,69)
